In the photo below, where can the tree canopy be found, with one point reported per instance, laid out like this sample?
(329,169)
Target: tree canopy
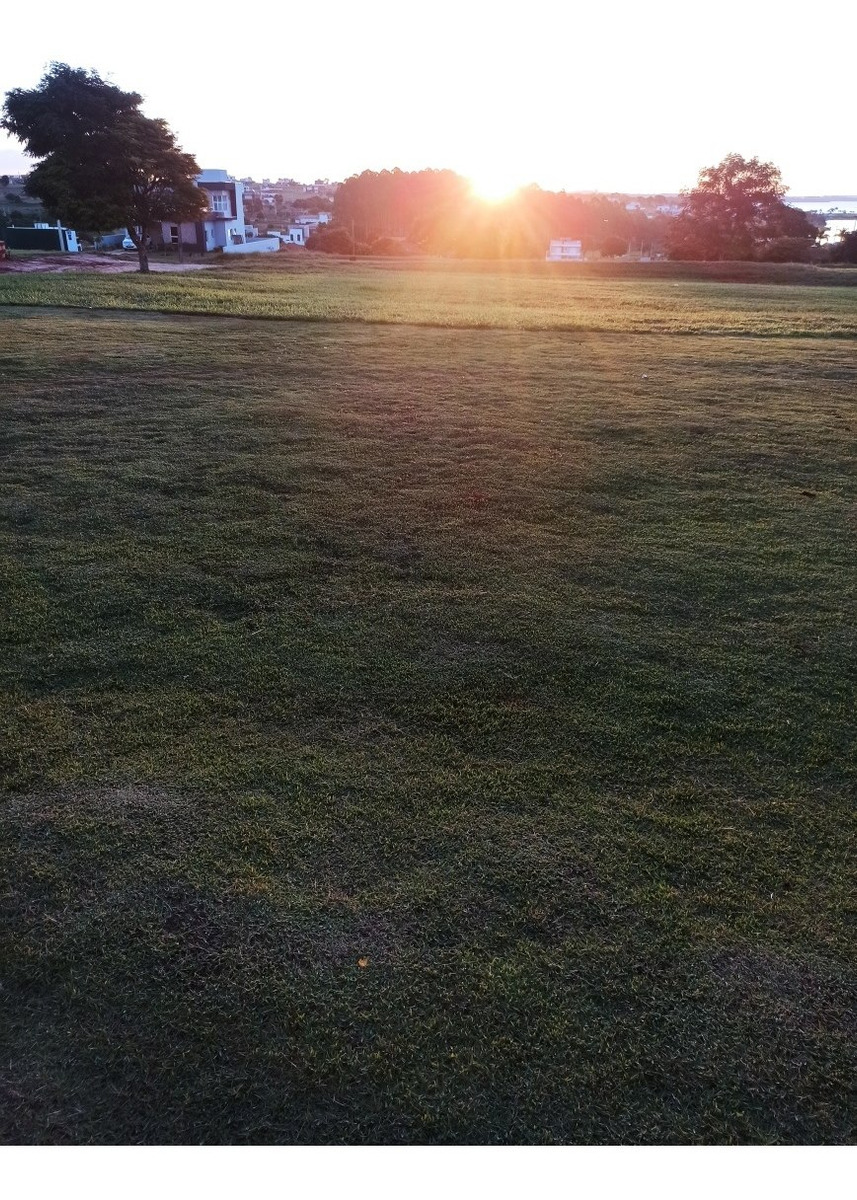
(104,164)
(735,212)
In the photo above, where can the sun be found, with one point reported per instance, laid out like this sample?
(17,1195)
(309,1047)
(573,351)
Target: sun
(493,186)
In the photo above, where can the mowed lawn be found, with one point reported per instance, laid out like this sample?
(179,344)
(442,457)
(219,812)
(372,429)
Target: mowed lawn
(420,734)
(774,300)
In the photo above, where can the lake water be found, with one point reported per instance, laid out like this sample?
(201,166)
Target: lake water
(834,228)
(831,208)
(842,204)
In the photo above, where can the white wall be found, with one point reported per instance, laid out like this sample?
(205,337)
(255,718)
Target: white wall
(259,246)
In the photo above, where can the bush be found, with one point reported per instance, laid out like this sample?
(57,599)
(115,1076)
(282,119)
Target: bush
(389,247)
(786,249)
(845,249)
(332,241)
(686,249)
(613,247)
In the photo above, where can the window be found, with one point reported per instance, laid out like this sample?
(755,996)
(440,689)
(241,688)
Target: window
(219,202)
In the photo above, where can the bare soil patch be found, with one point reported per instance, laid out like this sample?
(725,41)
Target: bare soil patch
(101,264)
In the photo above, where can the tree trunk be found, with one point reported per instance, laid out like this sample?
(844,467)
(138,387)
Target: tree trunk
(140,241)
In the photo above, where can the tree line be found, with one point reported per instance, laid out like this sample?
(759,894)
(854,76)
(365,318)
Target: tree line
(736,211)
(102,164)
(437,212)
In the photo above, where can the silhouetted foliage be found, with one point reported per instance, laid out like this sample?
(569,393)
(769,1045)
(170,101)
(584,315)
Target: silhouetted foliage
(398,203)
(786,249)
(613,247)
(389,247)
(844,250)
(735,212)
(331,241)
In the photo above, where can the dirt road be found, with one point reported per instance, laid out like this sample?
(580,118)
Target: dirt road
(104,264)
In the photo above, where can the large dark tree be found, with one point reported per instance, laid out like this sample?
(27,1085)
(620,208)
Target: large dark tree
(103,163)
(735,211)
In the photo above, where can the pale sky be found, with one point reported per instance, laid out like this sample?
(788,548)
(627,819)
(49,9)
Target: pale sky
(629,97)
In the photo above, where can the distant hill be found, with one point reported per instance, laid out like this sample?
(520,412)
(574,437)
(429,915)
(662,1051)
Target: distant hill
(16,207)
(821,199)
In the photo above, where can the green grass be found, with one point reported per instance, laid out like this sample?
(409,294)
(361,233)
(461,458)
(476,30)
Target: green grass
(514,664)
(673,298)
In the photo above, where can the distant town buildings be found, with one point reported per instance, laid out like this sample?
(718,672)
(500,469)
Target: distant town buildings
(650,206)
(273,193)
(297,232)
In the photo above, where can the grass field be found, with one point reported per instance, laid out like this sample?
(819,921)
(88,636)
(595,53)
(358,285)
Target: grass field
(423,733)
(679,298)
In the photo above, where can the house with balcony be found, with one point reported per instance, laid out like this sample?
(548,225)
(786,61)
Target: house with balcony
(221,226)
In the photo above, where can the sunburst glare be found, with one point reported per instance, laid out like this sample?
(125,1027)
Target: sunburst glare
(494,185)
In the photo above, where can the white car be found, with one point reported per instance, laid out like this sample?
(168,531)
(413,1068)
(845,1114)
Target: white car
(127,243)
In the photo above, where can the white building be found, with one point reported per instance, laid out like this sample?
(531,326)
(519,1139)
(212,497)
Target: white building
(565,250)
(223,222)
(299,231)
(293,235)
(312,221)
(221,226)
